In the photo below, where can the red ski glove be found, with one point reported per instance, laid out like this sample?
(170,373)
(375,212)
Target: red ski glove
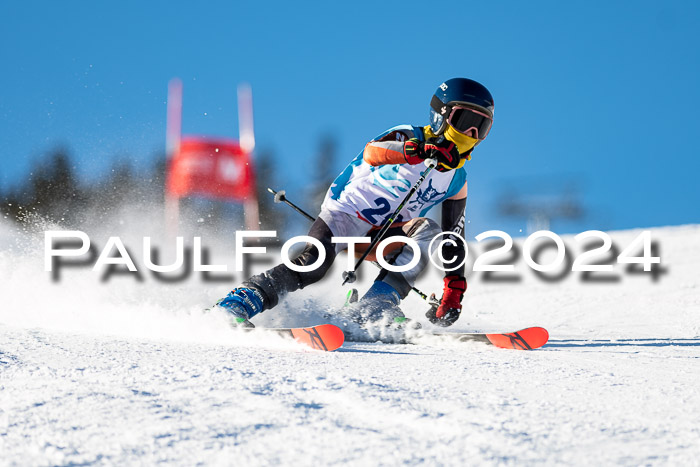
(442,150)
(413,151)
(446,311)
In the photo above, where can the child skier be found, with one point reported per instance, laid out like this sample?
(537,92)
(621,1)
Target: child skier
(371,188)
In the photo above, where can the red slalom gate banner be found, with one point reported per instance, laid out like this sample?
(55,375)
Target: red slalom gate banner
(215,168)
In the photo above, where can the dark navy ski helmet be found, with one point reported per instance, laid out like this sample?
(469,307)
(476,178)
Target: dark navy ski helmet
(460,91)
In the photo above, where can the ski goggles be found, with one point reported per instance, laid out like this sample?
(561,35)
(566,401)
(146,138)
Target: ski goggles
(463,118)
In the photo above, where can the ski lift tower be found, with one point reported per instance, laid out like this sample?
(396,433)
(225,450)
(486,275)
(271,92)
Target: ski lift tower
(540,201)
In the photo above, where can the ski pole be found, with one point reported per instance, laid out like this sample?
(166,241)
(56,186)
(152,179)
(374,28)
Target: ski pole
(350,276)
(280,197)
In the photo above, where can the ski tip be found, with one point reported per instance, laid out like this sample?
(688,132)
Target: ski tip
(327,337)
(332,335)
(525,339)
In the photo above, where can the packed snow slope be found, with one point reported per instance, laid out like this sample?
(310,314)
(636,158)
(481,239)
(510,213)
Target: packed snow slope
(133,372)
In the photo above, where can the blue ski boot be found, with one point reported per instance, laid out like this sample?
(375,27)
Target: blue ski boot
(242,303)
(381,304)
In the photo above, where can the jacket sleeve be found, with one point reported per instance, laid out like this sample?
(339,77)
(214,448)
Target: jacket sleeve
(388,149)
(453,222)
(384,152)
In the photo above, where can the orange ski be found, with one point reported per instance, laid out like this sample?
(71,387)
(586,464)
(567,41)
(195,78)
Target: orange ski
(322,337)
(525,339)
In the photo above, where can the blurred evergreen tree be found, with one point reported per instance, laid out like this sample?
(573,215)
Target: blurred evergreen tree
(110,194)
(51,191)
(155,182)
(272,216)
(324,174)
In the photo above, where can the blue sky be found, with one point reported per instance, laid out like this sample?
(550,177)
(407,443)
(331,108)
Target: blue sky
(604,94)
